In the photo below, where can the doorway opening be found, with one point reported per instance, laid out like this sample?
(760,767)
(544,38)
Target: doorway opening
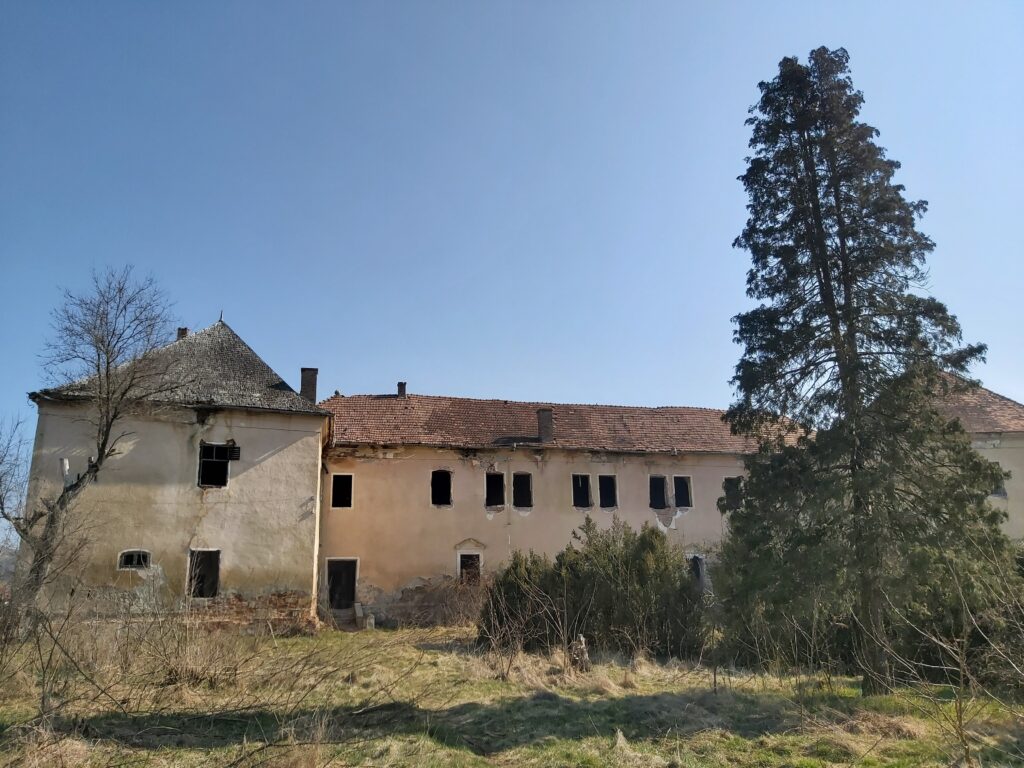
(341,583)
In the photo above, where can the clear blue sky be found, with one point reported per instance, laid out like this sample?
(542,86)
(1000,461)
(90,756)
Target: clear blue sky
(524,200)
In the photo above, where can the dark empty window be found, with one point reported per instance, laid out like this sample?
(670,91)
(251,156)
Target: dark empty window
(731,491)
(522,490)
(682,491)
(341,491)
(659,492)
(581,491)
(469,567)
(441,488)
(213,464)
(494,490)
(203,572)
(608,494)
(133,560)
(1000,490)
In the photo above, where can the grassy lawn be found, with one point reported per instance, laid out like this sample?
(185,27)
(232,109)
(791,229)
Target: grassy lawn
(429,698)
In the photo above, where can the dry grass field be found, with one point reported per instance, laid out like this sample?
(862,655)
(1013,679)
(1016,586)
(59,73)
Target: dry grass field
(429,697)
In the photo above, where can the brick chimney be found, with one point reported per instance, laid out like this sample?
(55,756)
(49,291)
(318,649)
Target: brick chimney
(308,388)
(401,389)
(545,424)
(182,333)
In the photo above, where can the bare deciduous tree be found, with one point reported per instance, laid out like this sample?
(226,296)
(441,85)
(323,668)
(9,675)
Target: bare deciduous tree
(103,355)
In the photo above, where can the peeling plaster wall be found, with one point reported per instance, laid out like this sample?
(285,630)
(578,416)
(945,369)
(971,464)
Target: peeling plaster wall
(264,522)
(402,541)
(1008,449)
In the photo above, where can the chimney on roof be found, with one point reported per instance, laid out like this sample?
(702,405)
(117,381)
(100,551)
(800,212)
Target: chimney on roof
(401,389)
(182,333)
(308,387)
(545,424)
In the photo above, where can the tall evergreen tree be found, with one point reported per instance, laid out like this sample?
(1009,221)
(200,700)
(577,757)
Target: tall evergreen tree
(843,343)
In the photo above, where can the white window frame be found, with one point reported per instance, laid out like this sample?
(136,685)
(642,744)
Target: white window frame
(615,477)
(353,493)
(590,487)
(451,488)
(689,484)
(134,549)
(458,561)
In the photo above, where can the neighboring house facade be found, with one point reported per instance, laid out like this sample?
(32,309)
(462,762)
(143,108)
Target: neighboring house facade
(239,495)
(214,495)
(996,426)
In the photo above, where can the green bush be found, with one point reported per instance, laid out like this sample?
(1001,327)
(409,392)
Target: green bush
(623,590)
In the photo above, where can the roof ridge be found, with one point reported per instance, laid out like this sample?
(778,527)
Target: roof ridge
(385,395)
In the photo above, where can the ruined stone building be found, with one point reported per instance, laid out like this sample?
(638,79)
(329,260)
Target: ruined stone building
(241,495)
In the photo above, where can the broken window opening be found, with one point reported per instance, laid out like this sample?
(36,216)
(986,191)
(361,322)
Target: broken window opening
(469,567)
(581,491)
(341,491)
(494,490)
(213,463)
(681,487)
(133,560)
(203,572)
(659,492)
(1000,490)
(522,490)
(607,491)
(441,488)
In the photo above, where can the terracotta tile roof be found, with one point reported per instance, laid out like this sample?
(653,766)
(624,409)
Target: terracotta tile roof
(457,422)
(982,410)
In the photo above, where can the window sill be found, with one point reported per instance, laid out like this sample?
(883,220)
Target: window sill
(495,508)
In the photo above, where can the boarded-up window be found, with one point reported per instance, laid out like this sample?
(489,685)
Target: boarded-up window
(659,492)
(203,572)
(441,488)
(494,489)
(607,492)
(213,464)
(341,491)
(581,491)
(522,490)
(682,491)
(133,560)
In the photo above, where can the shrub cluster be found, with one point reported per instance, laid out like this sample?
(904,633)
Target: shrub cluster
(624,590)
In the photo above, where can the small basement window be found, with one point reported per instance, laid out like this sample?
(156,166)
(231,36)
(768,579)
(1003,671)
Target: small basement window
(522,490)
(494,489)
(133,560)
(682,491)
(203,572)
(441,488)
(469,567)
(341,491)
(213,464)
(607,491)
(659,492)
(581,491)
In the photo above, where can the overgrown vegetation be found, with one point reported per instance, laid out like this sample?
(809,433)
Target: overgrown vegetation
(425,697)
(623,590)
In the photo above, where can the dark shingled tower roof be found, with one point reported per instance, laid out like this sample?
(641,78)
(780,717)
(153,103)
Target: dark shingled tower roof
(215,368)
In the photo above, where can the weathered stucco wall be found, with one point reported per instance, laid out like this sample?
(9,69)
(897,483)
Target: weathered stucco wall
(264,522)
(401,539)
(1008,449)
